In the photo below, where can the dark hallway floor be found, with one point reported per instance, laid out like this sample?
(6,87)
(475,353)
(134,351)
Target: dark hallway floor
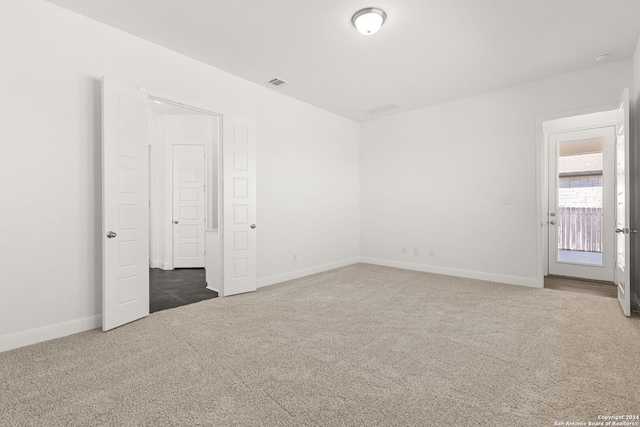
(173,288)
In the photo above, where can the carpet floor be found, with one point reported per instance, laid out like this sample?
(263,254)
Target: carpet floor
(361,345)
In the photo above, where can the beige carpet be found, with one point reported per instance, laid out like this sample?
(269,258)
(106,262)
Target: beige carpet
(358,346)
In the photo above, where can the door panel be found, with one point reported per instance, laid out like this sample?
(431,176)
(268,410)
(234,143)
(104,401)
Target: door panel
(239,201)
(623,243)
(189,193)
(581,186)
(125,192)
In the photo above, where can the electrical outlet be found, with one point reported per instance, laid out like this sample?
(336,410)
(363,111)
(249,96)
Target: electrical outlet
(404,250)
(432,253)
(415,251)
(506,200)
(295,257)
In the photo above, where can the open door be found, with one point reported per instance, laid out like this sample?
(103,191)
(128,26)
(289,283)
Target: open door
(239,205)
(623,242)
(125,204)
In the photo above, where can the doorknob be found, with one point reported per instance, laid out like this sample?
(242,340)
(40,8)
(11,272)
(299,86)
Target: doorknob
(253,226)
(552,222)
(111,235)
(175,222)
(552,214)
(619,230)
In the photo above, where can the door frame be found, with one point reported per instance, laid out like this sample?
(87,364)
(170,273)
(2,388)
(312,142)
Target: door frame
(565,121)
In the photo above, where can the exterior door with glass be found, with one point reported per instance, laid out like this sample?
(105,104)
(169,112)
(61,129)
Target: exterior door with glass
(581,200)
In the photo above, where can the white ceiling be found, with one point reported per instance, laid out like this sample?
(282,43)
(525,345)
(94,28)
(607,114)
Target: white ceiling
(428,51)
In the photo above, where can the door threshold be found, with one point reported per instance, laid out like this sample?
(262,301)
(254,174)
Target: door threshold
(582,286)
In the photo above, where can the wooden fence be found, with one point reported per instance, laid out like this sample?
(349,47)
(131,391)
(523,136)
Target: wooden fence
(580,229)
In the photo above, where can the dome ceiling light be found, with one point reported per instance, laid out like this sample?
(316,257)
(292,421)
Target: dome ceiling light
(368,20)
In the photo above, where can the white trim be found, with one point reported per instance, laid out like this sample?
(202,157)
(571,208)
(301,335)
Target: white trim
(178,102)
(296,274)
(530,282)
(46,333)
(156,263)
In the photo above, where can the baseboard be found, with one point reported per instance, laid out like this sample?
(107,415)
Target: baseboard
(155,263)
(296,274)
(470,274)
(160,264)
(37,335)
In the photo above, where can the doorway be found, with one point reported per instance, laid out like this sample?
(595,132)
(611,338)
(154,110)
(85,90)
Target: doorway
(130,246)
(577,159)
(183,203)
(616,116)
(580,206)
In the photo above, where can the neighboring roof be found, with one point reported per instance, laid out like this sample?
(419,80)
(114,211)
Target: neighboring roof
(580,163)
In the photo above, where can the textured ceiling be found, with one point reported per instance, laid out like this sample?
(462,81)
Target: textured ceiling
(428,51)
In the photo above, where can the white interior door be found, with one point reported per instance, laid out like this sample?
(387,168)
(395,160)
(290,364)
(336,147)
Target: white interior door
(581,200)
(125,204)
(239,205)
(623,242)
(189,191)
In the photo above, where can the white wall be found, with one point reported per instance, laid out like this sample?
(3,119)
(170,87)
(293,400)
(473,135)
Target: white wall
(635,141)
(308,176)
(434,179)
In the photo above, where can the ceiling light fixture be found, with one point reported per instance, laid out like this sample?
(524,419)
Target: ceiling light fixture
(601,57)
(368,20)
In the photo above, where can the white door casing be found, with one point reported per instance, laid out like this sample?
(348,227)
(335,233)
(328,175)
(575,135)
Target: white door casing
(125,193)
(239,205)
(189,193)
(623,205)
(576,269)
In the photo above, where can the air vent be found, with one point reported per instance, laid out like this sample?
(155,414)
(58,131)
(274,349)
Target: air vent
(277,82)
(382,109)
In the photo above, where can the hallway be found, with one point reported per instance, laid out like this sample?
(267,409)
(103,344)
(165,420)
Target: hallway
(174,288)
